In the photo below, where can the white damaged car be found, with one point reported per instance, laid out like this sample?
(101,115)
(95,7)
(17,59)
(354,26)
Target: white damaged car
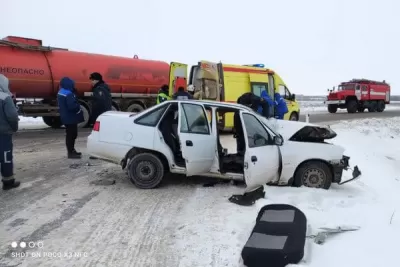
(183,137)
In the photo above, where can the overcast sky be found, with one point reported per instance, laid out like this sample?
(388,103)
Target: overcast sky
(312,44)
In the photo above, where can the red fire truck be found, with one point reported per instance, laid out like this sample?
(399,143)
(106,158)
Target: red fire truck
(358,95)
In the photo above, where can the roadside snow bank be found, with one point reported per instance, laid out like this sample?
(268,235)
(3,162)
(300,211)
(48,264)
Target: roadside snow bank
(214,231)
(320,107)
(372,202)
(29,123)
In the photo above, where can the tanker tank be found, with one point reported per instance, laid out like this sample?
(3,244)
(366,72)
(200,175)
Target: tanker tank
(35,70)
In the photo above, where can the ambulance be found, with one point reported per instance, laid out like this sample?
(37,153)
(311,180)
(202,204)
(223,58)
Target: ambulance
(226,83)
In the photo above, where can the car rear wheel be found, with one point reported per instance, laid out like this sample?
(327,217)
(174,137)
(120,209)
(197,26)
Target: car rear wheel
(314,174)
(145,170)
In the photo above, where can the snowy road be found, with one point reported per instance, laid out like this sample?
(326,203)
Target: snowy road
(61,207)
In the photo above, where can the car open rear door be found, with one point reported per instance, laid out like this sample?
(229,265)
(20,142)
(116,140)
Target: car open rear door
(177,76)
(197,143)
(262,159)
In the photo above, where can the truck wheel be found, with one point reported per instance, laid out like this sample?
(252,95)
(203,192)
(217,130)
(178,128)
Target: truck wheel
(352,106)
(381,106)
(146,170)
(52,121)
(313,174)
(332,108)
(294,116)
(86,117)
(361,109)
(135,108)
(373,107)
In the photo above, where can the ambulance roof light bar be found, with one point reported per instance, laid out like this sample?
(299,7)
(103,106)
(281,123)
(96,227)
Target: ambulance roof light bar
(255,65)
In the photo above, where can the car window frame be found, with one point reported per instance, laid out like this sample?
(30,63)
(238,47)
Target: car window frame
(270,136)
(143,116)
(181,106)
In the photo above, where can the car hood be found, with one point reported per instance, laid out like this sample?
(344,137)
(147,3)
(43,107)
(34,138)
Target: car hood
(300,131)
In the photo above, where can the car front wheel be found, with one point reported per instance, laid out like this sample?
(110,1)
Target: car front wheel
(314,174)
(145,170)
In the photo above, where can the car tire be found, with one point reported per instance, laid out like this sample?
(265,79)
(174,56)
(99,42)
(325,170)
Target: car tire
(314,174)
(145,170)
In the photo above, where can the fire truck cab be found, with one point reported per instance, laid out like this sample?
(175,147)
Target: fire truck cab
(358,95)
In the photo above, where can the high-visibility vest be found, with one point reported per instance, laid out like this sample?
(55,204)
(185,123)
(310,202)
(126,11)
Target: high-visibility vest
(161,97)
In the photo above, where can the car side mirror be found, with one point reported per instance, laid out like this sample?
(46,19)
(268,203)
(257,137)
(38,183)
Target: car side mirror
(293,97)
(278,140)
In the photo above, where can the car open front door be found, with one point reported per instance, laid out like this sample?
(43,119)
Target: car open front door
(262,157)
(177,76)
(197,143)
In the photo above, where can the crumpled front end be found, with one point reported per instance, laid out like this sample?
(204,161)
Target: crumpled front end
(341,165)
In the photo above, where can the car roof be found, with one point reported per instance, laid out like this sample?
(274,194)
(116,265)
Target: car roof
(214,103)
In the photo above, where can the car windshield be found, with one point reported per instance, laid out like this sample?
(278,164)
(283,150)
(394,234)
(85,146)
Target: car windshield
(346,87)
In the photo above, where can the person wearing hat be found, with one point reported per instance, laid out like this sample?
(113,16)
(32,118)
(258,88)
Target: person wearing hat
(71,115)
(102,100)
(8,126)
(163,94)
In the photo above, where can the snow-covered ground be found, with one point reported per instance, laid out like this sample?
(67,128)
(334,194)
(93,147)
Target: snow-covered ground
(185,224)
(371,203)
(320,107)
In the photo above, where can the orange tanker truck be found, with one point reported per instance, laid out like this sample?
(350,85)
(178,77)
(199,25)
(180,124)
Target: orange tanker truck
(35,71)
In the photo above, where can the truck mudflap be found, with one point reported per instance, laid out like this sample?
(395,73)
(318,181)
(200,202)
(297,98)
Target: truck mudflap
(338,168)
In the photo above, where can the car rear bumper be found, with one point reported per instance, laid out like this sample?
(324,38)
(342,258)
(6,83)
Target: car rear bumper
(334,102)
(105,151)
(338,168)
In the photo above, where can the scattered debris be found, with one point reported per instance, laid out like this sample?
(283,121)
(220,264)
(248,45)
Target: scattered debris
(325,232)
(391,218)
(75,166)
(103,182)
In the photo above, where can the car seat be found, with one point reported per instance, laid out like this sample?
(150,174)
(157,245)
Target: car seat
(239,134)
(167,130)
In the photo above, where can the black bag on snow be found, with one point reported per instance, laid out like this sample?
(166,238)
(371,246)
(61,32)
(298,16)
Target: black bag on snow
(278,238)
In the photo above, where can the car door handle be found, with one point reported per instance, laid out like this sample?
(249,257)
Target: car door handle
(253,158)
(189,143)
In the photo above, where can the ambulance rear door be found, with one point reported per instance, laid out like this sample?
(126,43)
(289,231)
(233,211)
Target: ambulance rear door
(177,76)
(262,82)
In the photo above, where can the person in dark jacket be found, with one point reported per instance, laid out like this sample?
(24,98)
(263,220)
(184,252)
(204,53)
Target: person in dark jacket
(256,103)
(163,94)
(8,125)
(280,107)
(182,95)
(71,114)
(101,99)
(265,107)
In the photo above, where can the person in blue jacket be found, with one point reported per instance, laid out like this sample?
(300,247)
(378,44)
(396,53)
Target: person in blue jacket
(266,104)
(280,107)
(71,114)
